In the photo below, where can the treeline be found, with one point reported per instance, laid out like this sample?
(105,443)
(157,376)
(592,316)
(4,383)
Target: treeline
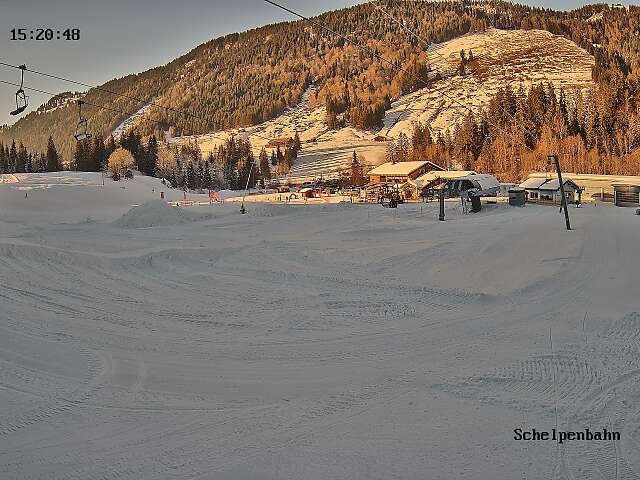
(92,154)
(360,114)
(596,133)
(232,166)
(17,159)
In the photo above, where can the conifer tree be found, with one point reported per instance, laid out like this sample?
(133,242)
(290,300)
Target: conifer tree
(79,157)
(3,159)
(402,148)
(97,157)
(265,171)
(53,161)
(42,162)
(192,181)
(207,180)
(13,157)
(152,156)
(21,158)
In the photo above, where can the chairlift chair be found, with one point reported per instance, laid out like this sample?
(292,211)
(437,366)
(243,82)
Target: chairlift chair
(81,127)
(22,100)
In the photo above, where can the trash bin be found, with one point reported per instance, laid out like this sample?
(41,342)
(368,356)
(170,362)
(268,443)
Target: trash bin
(517,197)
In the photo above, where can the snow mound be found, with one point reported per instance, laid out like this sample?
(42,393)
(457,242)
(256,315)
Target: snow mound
(156,213)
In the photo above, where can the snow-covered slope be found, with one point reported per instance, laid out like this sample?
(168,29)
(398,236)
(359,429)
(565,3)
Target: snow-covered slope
(502,57)
(129,122)
(312,342)
(77,196)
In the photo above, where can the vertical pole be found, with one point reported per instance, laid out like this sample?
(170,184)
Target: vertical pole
(441,205)
(242,209)
(564,198)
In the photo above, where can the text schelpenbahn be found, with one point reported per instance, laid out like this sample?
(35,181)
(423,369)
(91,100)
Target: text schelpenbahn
(561,436)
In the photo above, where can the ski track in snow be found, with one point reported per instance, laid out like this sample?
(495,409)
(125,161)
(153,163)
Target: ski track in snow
(316,342)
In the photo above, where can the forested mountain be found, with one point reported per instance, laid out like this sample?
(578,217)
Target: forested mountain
(246,78)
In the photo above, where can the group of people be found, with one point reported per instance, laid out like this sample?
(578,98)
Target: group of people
(394,198)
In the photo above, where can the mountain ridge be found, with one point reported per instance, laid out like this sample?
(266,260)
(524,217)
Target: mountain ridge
(243,79)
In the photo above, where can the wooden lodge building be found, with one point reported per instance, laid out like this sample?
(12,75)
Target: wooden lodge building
(400,172)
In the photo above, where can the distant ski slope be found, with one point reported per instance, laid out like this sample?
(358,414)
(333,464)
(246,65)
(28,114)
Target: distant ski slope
(502,57)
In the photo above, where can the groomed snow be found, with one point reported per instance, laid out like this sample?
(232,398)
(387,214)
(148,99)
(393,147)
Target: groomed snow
(330,341)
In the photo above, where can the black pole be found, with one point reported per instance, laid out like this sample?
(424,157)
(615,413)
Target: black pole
(242,209)
(564,198)
(442,204)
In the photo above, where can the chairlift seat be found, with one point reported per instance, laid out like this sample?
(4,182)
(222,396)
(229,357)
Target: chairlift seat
(22,102)
(81,130)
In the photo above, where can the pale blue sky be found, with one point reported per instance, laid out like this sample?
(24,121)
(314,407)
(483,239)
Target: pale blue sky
(119,37)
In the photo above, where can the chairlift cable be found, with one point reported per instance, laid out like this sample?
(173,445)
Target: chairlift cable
(123,112)
(150,103)
(147,102)
(102,89)
(102,107)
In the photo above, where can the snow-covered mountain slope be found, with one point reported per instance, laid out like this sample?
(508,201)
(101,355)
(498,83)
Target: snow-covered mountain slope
(501,57)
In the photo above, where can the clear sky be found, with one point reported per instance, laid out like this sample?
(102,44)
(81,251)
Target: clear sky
(119,37)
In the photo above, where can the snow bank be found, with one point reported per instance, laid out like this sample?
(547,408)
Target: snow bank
(57,197)
(156,213)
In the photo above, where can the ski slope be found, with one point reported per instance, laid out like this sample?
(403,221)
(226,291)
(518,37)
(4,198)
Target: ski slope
(515,58)
(310,341)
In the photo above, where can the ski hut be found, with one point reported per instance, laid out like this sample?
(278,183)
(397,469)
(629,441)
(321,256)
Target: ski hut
(547,190)
(400,172)
(550,191)
(531,186)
